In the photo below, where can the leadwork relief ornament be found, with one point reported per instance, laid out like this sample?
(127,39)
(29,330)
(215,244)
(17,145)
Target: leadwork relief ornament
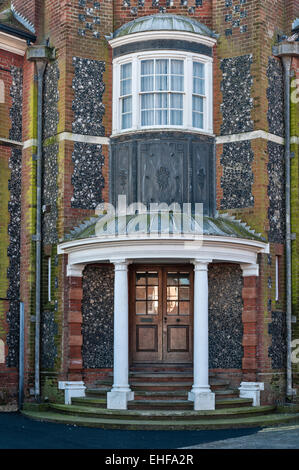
(162,176)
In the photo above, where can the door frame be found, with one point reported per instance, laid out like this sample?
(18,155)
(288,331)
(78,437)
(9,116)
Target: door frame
(161,268)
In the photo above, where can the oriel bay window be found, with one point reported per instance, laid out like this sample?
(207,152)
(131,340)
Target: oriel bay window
(162,90)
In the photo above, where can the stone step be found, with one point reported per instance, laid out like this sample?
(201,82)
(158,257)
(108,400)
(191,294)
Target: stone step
(154,367)
(159,395)
(169,415)
(162,404)
(271,419)
(216,384)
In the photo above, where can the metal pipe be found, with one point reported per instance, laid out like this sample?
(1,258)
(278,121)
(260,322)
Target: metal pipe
(21,356)
(287,60)
(40,67)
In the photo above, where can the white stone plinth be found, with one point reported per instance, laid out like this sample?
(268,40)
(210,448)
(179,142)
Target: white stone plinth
(72,389)
(118,400)
(252,390)
(202,400)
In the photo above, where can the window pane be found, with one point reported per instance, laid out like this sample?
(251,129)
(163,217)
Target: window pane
(147,67)
(177,67)
(147,118)
(161,82)
(140,278)
(147,83)
(161,117)
(152,293)
(161,100)
(176,101)
(147,101)
(127,104)
(141,293)
(126,87)
(140,308)
(197,120)
(152,278)
(172,308)
(176,118)
(126,71)
(198,70)
(126,121)
(198,86)
(172,293)
(184,293)
(152,307)
(184,279)
(172,279)
(184,308)
(197,104)
(161,66)
(177,83)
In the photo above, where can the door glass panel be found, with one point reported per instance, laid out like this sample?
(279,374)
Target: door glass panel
(184,279)
(140,293)
(172,279)
(152,292)
(184,293)
(184,308)
(141,278)
(140,308)
(152,278)
(152,307)
(172,308)
(172,293)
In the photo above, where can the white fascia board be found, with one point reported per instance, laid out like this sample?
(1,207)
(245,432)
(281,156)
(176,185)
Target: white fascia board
(12,44)
(216,248)
(151,35)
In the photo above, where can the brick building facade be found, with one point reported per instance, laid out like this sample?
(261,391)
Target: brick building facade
(219,140)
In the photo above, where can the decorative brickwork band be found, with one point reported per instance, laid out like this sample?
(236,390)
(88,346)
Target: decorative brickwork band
(75,334)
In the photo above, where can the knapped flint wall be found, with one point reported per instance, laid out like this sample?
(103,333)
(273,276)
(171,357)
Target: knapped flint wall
(237,178)
(51,98)
(87,179)
(88,110)
(236,91)
(276,210)
(97,313)
(225,316)
(88,89)
(13,272)
(275,95)
(14,209)
(277,350)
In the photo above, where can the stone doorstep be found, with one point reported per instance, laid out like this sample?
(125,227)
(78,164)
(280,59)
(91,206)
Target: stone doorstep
(202,424)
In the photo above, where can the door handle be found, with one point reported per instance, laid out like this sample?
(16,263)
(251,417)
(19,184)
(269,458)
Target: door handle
(178,319)
(165,319)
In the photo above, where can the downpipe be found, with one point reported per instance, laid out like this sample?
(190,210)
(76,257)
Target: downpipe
(40,68)
(287,60)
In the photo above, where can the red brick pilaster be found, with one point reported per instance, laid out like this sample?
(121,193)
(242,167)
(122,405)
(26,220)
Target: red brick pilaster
(75,362)
(249,318)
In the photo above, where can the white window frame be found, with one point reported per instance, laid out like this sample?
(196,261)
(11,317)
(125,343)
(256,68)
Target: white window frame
(188,58)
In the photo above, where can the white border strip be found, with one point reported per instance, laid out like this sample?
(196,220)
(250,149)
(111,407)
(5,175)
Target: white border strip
(260,134)
(89,139)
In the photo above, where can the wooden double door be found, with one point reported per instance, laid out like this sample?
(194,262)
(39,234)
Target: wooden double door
(161,314)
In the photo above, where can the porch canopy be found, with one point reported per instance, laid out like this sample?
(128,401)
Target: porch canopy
(162,238)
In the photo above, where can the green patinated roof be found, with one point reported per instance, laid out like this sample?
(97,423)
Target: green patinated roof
(163,22)
(103,226)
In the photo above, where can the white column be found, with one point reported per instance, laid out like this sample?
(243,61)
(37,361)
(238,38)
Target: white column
(201,393)
(120,393)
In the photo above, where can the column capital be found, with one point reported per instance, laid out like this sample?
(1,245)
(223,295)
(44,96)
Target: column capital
(249,269)
(75,270)
(120,264)
(201,264)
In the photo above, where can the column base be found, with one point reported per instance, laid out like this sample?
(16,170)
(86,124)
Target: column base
(72,389)
(203,400)
(252,390)
(118,399)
